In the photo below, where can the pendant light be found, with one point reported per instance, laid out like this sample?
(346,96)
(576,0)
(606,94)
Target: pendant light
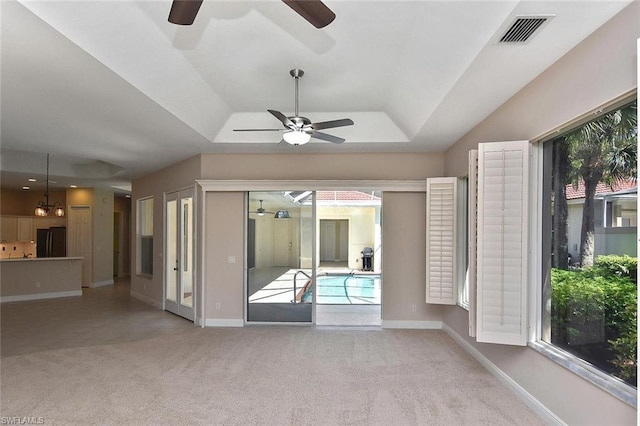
(43,208)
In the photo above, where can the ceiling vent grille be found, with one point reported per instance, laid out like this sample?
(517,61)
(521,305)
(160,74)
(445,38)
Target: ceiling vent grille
(523,28)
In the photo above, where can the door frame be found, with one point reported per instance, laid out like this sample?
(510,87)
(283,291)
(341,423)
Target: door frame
(181,310)
(87,256)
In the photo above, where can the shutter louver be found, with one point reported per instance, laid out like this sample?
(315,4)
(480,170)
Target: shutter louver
(503,169)
(441,237)
(472,276)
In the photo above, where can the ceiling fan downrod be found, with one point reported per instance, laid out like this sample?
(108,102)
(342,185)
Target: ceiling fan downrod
(297,74)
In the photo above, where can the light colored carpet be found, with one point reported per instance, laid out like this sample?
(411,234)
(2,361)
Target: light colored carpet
(260,375)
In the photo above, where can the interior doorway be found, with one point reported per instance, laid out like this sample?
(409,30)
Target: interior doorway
(334,242)
(80,240)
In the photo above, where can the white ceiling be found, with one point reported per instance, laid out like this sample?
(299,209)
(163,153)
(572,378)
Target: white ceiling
(113,91)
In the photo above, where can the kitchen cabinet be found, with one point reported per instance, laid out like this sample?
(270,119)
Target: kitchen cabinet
(25,229)
(47,222)
(8,228)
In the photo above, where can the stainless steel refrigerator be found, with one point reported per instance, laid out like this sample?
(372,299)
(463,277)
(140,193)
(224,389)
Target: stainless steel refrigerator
(52,242)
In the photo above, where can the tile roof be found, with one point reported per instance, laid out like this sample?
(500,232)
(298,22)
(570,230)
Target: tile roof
(576,192)
(345,196)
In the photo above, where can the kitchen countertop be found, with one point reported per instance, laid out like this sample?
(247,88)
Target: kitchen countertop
(23,259)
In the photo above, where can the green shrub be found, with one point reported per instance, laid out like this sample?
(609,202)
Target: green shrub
(625,347)
(594,313)
(615,265)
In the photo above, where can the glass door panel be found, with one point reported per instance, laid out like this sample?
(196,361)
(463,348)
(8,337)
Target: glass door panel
(179,256)
(172,247)
(280,257)
(186,269)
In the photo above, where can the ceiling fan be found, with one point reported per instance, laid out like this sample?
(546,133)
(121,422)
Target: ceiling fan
(299,130)
(261,210)
(183,12)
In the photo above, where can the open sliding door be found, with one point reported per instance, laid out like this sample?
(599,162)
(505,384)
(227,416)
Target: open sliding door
(280,257)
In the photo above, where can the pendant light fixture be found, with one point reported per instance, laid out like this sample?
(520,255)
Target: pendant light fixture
(43,208)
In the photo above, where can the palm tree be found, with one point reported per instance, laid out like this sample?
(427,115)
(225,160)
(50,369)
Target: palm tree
(603,150)
(560,179)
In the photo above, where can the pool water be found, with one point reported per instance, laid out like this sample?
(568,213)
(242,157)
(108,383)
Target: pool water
(345,290)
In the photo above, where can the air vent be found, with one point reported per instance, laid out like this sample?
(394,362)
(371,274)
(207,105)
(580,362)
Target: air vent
(523,28)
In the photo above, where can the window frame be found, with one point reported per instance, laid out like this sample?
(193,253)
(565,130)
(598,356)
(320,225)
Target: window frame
(144,231)
(539,289)
(463,243)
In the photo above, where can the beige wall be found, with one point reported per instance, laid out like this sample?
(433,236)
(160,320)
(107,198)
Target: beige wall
(224,239)
(178,176)
(23,203)
(102,236)
(404,262)
(321,166)
(101,202)
(261,167)
(597,71)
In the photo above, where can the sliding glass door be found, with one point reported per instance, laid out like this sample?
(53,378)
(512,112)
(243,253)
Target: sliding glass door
(280,257)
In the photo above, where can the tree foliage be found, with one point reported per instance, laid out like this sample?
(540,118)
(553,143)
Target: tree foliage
(603,150)
(594,314)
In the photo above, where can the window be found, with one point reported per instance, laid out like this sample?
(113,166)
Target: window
(463,240)
(589,221)
(145,236)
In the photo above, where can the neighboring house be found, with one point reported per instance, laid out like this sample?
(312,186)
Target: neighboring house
(615,218)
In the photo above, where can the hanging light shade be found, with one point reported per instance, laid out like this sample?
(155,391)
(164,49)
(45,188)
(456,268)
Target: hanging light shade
(296,137)
(282,214)
(43,208)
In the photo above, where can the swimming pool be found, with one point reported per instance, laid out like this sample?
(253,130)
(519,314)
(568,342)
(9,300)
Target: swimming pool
(345,290)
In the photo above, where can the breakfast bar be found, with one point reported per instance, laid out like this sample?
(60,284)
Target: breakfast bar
(40,278)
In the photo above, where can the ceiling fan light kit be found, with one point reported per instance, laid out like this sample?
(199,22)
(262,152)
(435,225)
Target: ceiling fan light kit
(299,130)
(296,137)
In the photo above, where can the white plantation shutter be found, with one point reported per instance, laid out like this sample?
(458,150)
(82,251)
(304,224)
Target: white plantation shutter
(472,275)
(503,170)
(441,237)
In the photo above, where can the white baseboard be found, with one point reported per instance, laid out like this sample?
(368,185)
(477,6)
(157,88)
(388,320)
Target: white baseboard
(415,325)
(101,283)
(145,299)
(38,296)
(532,402)
(223,322)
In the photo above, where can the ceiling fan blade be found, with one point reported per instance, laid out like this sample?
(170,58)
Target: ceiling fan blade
(183,12)
(283,118)
(331,124)
(327,137)
(258,130)
(314,11)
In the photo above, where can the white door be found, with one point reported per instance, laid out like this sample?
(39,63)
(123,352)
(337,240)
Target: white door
(80,240)
(282,243)
(327,241)
(179,253)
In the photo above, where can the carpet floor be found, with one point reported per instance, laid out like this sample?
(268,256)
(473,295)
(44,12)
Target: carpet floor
(258,375)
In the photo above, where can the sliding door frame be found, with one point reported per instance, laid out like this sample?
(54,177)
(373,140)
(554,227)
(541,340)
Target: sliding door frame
(287,185)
